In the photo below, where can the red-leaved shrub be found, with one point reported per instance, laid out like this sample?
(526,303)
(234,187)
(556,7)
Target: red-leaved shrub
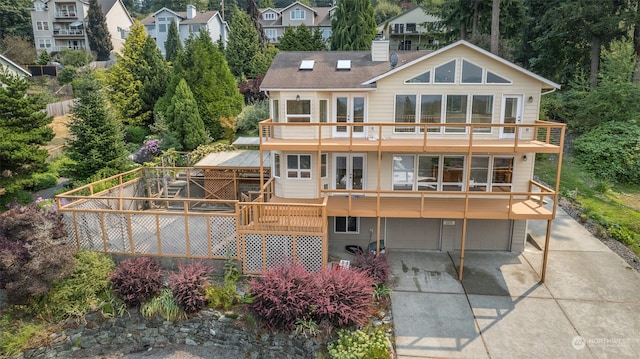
(282,295)
(34,252)
(376,266)
(342,297)
(137,280)
(189,286)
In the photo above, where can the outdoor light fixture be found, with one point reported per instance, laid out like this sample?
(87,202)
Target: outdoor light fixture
(524,158)
(297,97)
(530,99)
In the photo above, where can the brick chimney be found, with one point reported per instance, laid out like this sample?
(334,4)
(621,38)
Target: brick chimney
(191,11)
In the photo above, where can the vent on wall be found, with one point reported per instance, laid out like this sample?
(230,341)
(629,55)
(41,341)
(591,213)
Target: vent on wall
(306,65)
(343,65)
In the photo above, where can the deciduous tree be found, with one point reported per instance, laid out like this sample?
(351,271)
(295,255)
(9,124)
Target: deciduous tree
(97,32)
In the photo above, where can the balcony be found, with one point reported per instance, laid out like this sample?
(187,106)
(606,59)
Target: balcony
(60,48)
(68,32)
(65,15)
(538,137)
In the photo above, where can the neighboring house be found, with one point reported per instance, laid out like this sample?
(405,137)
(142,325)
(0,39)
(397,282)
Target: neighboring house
(410,30)
(427,151)
(12,67)
(188,23)
(60,24)
(275,21)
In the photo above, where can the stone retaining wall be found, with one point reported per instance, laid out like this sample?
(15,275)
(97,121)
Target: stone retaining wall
(211,333)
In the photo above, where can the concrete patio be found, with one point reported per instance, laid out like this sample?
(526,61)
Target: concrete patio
(588,307)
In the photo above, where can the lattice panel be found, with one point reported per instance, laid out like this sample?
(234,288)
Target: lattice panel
(253,249)
(279,249)
(67,219)
(172,234)
(198,236)
(223,236)
(219,185)
(116,232)
(89,230)
(309,252)
(143,230)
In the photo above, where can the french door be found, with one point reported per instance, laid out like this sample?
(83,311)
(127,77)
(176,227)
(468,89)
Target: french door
(349,171)
(511,114)
(350,108)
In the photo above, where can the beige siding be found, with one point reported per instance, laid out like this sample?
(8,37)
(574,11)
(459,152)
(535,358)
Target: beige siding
(413,233)
(286,17)
(117,18)
(295,187)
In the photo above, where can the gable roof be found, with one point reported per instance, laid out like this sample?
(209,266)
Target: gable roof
(300,4)
(5,61)
(202,17)
(284,72)
(107,6)
(480,50)
(426,12)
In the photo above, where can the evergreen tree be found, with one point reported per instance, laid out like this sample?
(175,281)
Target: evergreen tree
(23,131)
(136,80)
(44,58)
(184,119)
(173,44)
(263,4)
(97,32)
(204,68)
(243,45)
(15,19)
(301,38)
(353,25)
(97,143)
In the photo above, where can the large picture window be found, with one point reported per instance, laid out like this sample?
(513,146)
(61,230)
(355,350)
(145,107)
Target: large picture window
(298,110)
(430,111)
(456,112)
(482,112)
(452,173)
(479,175)
(405,112)
(502,174)
(428,171)
(299,166)
(403,169)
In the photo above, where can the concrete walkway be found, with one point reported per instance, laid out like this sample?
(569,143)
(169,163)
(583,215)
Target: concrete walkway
(589,306)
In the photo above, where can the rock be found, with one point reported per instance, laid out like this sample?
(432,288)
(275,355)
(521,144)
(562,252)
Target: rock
(190,341)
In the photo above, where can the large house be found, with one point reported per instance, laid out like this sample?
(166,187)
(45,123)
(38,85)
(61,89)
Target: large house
(275,21)
(411,30)
(188,23)
(60,24)
(420,150)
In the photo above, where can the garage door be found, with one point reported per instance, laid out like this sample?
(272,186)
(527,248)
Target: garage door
(413,233)
(485,234)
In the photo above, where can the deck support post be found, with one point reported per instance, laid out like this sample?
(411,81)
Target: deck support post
(546,251)
(462,243)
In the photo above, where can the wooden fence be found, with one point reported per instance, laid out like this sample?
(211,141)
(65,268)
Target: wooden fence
(61,108)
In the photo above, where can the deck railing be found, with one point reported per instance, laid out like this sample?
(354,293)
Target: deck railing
(544,132)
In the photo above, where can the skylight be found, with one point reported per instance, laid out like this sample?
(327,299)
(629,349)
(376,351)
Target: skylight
(344,65)
(306,65)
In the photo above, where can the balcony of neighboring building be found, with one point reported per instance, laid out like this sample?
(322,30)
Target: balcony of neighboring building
(68,31)
(65,11)
(538,137)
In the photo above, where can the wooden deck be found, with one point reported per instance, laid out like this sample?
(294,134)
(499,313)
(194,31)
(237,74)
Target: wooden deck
(407,207)
(411,145)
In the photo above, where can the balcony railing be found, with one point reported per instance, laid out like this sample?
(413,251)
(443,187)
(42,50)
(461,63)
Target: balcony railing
(541,136)
(60,48)
(65,14)
(68,32)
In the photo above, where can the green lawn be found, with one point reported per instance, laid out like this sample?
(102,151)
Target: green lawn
(614,207)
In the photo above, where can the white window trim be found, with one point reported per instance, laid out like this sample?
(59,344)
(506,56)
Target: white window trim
(272,31)
(298,11)
(276,166)
(299,171)
(269,16)
(294,116)
(406,125)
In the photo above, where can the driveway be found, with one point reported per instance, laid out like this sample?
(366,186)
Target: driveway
(589,306)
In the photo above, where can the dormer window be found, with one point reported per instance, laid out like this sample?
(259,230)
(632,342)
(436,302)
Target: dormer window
(298,14)
(269,16)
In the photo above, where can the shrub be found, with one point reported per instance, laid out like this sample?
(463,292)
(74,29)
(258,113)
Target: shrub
(247,121)
(342,297)
(83,291)
(189,286)
(137,280)
(163,305)
(370,344)
(44,180)
(281,296)
(224,297)
(135,134)
(16,339)
(621,234)
(33,252)
(376,266)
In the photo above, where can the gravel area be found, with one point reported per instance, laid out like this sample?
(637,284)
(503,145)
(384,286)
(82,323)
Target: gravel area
(617,247)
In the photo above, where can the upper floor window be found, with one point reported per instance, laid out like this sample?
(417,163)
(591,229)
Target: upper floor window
(194,27)
(423,78)
(445,73)
(298,14)
(269,15)
(42,25)
(471,74)
(298,110)
(276,165)
(326,34)
(405,112)
(403,166)
(496,79)
(299,166)
(44,43)
(275,111)
(38,6)
(271,34)
(162,27)
(411,28)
